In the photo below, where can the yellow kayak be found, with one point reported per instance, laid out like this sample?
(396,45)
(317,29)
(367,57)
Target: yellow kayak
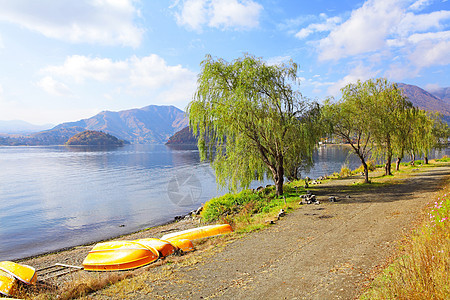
(119,255)
(164,247)
(184,245)
(24,273)
(7,284)
(198,233)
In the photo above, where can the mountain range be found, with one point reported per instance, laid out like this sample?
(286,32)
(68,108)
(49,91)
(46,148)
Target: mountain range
(152,124)
(148,125)
(21,127)
(437,100)
(156,124)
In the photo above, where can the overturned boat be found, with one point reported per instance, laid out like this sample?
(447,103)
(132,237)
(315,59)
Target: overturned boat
(184,245)
(8,284)
(164,248)
(199,232)
(10,272)
(21,272)
(119,255)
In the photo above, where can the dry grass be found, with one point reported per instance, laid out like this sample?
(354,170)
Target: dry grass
(423,270)
(83,285)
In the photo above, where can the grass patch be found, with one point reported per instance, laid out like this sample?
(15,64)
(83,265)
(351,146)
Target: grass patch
(250,208)
(445,158)
(423,271)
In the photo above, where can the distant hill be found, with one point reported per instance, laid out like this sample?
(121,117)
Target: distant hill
(426,100)
(94,138)
(21,127)
(47,137)
(442,93)
(182,137)
(148,125)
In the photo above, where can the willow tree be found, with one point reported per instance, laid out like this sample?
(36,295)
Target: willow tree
(428,129)
(249,118)
(388,118)
(403,140)
(347,118)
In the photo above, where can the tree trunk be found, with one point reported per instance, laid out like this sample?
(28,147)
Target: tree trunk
(413,158)
(278,178)
(366,172)
(387,166)
(397,165)
(425,160)
(366,169)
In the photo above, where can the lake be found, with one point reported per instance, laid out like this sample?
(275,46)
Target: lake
(56,197)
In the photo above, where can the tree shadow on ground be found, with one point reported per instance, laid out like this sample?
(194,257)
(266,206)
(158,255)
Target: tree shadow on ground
(424,182)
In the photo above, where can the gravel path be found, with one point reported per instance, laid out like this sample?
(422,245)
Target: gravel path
(326,251)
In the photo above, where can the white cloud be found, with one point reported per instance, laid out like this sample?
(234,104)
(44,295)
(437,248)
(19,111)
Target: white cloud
(420,4)
(135,75)
(277,60)
(108,22)
(223,14)
(234,14)
(328,25)
(388,28)
(360,72)
(193,14)
(410,23)
(365,31)
(53,87)
(81,68)
(153,72)
(430,36)
(429,53)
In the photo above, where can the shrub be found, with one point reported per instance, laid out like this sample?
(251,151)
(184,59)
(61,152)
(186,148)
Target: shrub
(371,166)
(227,204)
(345,171)
(444,158)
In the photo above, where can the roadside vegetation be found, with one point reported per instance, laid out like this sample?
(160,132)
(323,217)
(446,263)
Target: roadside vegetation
(422,271)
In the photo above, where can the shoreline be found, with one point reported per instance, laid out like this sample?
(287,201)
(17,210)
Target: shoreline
(68,248)
(75,255)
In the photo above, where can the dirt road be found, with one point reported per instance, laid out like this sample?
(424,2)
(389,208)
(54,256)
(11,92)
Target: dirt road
(325,251)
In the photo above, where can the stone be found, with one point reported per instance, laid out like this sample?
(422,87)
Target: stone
(199,210)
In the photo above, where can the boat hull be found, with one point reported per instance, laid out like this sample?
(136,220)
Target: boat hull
(7,284)
(118,256)
(184,245)
(24,273)
(199,233)
(164,248)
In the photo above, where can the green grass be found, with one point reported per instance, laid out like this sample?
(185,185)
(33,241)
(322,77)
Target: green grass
(444,159)
(249,209)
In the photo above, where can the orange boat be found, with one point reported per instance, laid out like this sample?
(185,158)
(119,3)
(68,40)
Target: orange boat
(184,245)
(24,273)
(7,284)
(199,233)
(119,255)
(164,248)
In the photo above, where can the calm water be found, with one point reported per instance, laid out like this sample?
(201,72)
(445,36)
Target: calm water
(56,197)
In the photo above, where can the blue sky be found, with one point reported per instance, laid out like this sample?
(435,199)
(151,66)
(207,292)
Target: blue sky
(64,60)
